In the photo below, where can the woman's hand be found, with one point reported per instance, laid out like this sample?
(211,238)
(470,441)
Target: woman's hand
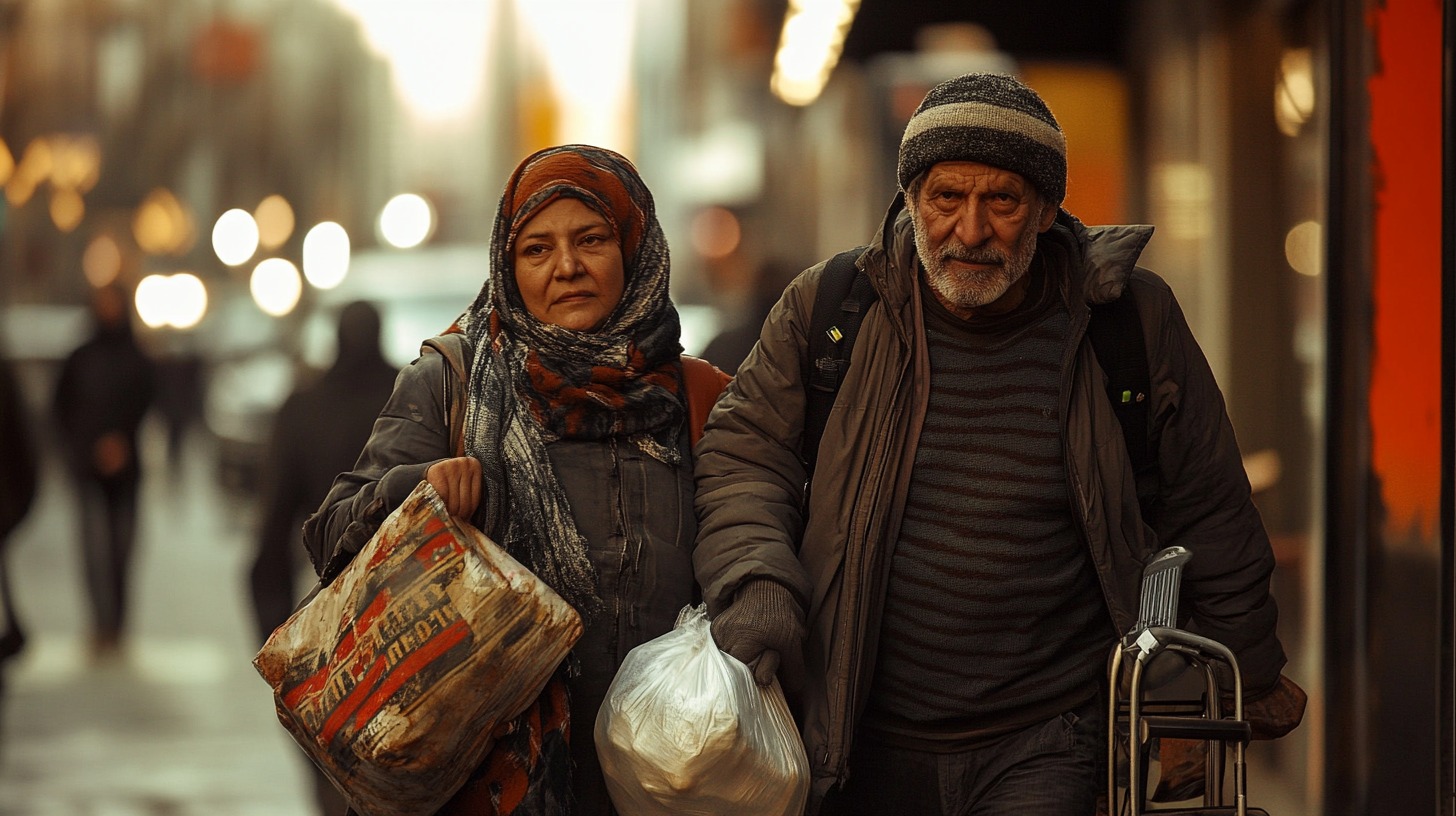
(458,483)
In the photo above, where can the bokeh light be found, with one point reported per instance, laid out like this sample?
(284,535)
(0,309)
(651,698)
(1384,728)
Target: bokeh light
(406,221)
(101,261)
(276,286)
(1294,93)
(7,162)
(161,225)
(235,237)
(326,255)
(179,300)
(275,221)
(715,232)
(75,162)
(1304,248)
(67,208)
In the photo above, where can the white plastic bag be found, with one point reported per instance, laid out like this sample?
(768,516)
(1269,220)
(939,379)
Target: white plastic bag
(685,731)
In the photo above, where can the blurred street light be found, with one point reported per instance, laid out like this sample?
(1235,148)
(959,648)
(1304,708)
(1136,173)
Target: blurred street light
(179,300)
(67,208)
(235,237)
(809,47)
(276,286)
(161,225)
(326,255)
(275,221)
(101,261)
(406,221)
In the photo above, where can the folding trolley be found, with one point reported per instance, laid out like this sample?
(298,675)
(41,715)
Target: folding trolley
(1135,721)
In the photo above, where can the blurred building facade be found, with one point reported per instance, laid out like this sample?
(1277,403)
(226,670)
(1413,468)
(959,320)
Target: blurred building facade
(1294,155)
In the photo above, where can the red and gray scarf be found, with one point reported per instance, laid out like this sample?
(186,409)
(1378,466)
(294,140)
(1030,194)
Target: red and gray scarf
(533,382)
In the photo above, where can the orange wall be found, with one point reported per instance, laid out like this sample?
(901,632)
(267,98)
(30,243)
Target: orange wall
(1090,103)
(1405,131)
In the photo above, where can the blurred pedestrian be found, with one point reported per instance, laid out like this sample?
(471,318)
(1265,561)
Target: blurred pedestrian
(729,347)
(18,478)
(317,434)
(105,389)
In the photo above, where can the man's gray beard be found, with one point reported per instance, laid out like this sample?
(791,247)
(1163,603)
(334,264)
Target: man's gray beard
(972,288)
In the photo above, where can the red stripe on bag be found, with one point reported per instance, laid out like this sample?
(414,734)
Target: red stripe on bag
(357,697)
(418,660)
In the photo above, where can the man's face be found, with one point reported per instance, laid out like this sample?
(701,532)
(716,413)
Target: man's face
(975,231)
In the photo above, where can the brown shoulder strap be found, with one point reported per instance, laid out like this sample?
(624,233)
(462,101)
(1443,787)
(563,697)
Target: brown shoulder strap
(703,382)
(451,346)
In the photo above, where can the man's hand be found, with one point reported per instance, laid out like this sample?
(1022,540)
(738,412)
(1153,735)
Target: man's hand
(458,483)
(764,629)
(1278,712)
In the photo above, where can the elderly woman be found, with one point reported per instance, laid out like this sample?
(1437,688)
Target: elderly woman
(575,459)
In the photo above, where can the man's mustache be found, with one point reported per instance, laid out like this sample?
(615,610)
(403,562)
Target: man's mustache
(975,255)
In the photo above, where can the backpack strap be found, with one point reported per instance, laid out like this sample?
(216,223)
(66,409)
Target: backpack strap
(702,383)
(452,347)
(845,294)
(1116,332)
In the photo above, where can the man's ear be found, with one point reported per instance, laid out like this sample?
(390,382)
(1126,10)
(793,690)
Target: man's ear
(1048,215)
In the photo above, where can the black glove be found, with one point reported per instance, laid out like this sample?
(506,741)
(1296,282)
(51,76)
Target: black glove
(764,629)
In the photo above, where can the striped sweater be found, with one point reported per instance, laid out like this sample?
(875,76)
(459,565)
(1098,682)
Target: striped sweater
(993,617)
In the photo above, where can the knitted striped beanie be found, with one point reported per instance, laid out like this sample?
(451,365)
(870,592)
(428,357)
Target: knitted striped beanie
(989,118)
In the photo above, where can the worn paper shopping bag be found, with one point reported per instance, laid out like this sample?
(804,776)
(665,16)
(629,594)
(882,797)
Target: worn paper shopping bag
(393,677)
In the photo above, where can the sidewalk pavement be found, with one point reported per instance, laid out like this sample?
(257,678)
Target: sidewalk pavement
(179,723)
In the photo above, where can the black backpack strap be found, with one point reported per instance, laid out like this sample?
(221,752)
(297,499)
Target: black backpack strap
(844,295)
(1116,332)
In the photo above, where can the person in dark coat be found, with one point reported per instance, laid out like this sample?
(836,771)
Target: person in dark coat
(946,583)
(104,391)
(19,474)
(316,435)
(730,347)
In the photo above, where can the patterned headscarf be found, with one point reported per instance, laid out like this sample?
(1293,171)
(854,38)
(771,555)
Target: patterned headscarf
(533,382)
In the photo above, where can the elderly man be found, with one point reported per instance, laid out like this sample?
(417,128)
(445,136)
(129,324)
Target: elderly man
(973,540)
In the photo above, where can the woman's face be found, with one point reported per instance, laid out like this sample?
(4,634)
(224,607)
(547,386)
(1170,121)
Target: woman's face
(568,265)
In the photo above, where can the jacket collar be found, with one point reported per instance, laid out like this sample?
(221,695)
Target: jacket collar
(1109,255)
(890,259)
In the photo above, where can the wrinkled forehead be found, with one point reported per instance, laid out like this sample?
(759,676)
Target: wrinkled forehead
(975,175)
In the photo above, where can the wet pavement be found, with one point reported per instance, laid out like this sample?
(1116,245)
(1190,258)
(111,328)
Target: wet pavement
(178,723)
